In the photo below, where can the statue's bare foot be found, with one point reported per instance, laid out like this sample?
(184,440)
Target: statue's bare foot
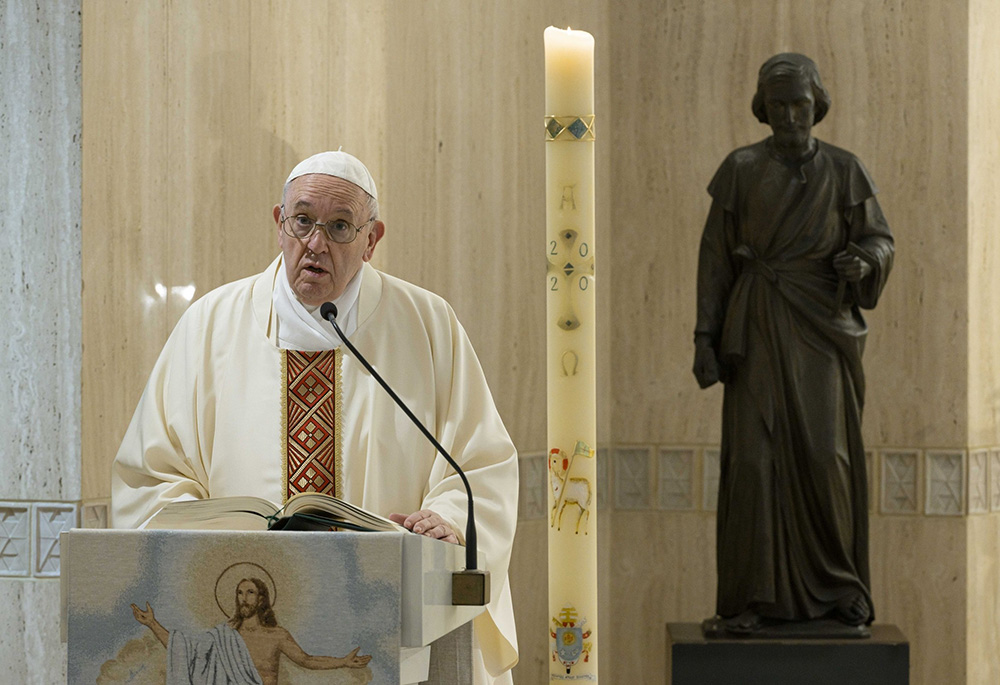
(745,624)
(853,609)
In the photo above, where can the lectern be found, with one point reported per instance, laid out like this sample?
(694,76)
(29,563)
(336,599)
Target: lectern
(211,601)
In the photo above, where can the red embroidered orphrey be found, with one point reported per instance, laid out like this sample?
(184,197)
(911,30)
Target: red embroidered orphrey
(311,420)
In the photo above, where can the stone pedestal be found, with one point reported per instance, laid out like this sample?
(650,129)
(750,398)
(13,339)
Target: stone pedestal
(692,659)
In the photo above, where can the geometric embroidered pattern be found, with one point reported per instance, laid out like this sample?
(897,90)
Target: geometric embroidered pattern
(312,422)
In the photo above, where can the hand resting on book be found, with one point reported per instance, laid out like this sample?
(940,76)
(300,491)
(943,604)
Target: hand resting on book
(426,522)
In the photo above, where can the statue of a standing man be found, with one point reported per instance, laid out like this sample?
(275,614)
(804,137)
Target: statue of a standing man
(794,246)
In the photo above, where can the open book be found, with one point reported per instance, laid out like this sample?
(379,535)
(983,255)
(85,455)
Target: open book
(304,511)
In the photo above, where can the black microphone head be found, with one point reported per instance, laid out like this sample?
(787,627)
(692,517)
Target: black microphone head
(328,311)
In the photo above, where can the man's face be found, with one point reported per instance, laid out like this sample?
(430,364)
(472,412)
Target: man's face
(318,269)
(247,598)
(791,109)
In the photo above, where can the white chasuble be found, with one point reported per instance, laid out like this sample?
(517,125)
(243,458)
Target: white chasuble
(210,423)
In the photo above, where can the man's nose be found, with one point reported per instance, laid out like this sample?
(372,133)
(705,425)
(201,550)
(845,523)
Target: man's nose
(317,242)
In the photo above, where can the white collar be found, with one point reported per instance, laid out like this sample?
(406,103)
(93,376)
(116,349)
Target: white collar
(301,327)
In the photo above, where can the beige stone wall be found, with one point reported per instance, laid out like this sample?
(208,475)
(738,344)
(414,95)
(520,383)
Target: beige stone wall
(983,557)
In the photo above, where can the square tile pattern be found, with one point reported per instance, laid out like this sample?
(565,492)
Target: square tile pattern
(15,540)
(994,480)
(631,467)
(945,483)
(50,519)
(979,485)
(675,478)
(710,479)
(534,484)
(96,514)
(899,481)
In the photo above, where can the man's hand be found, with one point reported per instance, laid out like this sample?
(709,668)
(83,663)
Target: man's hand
(849,267)
(146,617)
(352,660)
(706,366)
(426,522)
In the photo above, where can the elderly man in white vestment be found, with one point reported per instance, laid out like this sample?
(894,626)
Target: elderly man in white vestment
(221,414)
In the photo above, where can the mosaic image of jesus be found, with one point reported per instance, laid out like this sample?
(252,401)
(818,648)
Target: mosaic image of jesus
(246,648)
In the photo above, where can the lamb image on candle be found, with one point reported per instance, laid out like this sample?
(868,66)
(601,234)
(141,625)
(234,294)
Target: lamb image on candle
(566,491)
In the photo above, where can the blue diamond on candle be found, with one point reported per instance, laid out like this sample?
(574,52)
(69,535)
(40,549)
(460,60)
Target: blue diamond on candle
(554,127)
(569,268)
(578,129)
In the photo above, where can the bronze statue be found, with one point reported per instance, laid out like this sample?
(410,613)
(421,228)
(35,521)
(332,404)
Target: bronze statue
(794,246)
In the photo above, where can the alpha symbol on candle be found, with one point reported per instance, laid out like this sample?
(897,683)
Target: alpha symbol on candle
(568,197)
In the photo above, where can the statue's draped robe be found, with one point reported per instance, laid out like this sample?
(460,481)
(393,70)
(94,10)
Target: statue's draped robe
(793,503)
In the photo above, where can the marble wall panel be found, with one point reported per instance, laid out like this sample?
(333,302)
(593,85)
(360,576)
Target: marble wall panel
(919,578)
(40,201)
(30,648)
(984,221)
(983,622)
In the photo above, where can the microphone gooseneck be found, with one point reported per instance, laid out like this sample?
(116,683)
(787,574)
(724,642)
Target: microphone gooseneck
(329,312)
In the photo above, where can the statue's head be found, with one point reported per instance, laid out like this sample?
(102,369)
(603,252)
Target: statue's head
(790,97)
(785,66)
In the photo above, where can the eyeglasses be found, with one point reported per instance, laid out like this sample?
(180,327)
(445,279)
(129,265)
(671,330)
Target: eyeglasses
(302,227)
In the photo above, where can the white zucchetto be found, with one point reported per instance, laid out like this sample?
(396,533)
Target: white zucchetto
(339,164)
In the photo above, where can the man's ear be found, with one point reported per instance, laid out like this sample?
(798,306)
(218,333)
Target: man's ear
(374,235)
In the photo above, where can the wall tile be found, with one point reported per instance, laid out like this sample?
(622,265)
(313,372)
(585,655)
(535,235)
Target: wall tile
(96,513)
(899,481)
(675,478)
(945,483)
(49,519)
(872,480)
(603,454)
(631,476)
(978,487)
(534,485)
(15,539)
(710,479)
(995,480)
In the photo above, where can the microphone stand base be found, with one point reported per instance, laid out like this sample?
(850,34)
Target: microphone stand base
(470,588)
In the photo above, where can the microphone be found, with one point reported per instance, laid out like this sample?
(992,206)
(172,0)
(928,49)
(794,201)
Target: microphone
(471,586)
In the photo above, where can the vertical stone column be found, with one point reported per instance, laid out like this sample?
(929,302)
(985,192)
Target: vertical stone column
(40,350)
(983,531)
